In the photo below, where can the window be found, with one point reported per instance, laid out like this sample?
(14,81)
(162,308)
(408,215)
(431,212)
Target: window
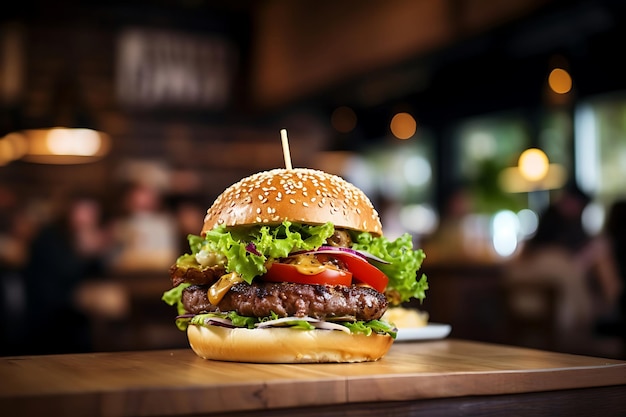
(600,146)
(483,148)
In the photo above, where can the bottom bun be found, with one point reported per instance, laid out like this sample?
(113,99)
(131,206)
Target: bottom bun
(278,345)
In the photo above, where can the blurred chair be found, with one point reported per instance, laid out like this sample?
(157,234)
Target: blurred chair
(531,313)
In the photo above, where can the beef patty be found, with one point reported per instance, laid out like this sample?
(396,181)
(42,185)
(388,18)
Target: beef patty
(261,299)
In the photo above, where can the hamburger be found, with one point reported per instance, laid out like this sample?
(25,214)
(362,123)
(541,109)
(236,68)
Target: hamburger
(291,266)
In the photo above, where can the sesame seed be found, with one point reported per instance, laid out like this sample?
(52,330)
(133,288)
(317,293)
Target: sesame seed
(319,188)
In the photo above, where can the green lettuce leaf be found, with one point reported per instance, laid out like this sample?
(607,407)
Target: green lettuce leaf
(173,297)
(404,262)
(367,327)
(268,243)
(271,242)
(238,321)
(364,327)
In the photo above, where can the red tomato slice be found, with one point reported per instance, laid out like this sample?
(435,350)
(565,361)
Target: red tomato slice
(289,273)
(363,271)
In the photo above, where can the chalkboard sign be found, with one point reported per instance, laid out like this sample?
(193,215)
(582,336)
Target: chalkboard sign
(168,69)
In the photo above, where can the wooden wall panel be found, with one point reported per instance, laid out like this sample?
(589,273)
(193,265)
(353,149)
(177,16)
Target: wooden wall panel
(301,48)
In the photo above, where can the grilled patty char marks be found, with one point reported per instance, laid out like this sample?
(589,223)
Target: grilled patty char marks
(288,299)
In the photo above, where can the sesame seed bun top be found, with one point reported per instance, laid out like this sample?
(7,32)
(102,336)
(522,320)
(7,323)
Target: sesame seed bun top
(298,195)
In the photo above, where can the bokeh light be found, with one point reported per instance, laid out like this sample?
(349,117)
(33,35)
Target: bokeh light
(560,81)
(533,164)
(403,126)
(505,227)
(343,119)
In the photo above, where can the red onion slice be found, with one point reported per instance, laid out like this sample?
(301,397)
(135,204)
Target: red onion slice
(318,324)
(334,249)
(327,325)
(251,247)
(283,320)
(218,321)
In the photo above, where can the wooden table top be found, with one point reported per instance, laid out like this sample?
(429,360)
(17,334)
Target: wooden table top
(171,382)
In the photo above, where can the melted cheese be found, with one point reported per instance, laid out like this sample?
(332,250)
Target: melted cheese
(217,291)
(307,264)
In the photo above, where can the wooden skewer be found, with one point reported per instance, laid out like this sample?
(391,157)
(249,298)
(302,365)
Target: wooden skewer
(286,154)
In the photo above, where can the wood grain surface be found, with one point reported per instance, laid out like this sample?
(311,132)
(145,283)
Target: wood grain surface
(177,382)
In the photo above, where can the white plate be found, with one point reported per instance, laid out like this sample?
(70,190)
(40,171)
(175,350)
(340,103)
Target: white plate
(428,332)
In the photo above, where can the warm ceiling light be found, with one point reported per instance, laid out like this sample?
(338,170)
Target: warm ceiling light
(79,142)
(533,164)
(343,119)
(65,146)
(560,81)
(512,181)
(13,146)
(403,126)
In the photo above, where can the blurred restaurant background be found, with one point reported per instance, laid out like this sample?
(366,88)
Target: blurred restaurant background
(494,132)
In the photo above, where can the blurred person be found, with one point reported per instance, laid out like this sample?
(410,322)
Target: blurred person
(563,255)
(63,255)
(145,231)
(16,231)
(189,214)
(450,241)
(614,234)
